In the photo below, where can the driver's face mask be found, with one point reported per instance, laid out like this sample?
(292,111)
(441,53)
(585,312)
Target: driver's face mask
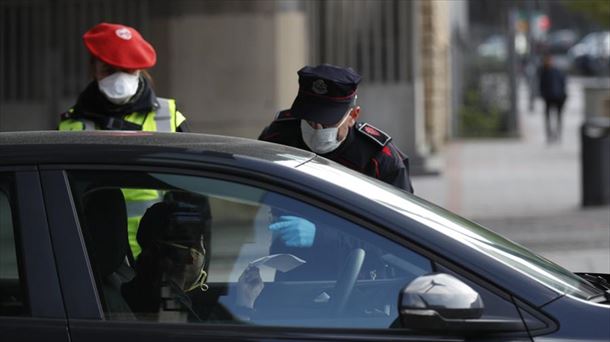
(195,276)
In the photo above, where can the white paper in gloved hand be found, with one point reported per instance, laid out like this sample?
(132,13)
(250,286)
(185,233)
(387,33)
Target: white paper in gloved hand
(280,262)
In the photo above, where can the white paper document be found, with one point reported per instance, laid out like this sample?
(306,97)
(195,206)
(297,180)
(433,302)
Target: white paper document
(280,262)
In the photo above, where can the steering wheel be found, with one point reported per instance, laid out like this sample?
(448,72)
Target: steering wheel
(347,280)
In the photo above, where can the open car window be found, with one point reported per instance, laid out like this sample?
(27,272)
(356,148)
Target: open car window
(216,251)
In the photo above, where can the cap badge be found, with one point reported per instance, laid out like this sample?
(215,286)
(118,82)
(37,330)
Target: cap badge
(123,33)
(319,87)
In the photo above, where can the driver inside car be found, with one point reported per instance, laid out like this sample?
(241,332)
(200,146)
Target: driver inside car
(172,268)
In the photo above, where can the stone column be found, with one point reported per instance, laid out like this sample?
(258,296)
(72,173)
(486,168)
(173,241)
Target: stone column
(233,64)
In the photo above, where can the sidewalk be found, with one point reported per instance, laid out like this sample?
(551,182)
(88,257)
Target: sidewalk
(527,190)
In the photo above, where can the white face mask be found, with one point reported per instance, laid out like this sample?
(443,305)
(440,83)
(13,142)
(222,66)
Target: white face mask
(322,140)
(119,87)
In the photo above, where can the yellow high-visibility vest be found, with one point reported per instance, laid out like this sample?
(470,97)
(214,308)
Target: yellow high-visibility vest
(165,119)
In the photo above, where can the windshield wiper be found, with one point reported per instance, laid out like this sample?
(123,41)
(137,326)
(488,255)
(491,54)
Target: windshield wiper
(600,281)
(600,298)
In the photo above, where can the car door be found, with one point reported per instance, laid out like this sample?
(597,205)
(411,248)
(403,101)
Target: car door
(31,307)
(224,257)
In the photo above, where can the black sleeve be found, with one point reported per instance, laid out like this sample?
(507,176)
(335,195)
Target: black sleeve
(401,179)
(395,169)
(263,133)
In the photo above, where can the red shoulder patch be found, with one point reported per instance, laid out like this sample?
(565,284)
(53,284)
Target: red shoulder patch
(386,150)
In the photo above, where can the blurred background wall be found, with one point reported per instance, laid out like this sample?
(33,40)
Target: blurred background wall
(232,64)
(433,70)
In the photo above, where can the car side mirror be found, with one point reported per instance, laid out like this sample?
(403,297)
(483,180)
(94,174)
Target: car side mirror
(441,302)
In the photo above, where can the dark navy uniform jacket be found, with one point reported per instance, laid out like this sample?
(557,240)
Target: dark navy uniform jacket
(366,149)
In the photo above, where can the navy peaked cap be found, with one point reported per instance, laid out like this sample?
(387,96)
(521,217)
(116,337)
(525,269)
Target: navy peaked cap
(325,93)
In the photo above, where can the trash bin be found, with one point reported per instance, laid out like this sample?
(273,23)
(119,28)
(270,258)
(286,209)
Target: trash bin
(595,161)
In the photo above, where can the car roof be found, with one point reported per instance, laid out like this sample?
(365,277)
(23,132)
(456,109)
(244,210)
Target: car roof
(51,149)
(89,146)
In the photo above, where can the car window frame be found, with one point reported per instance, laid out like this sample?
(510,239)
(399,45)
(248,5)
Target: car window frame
(296,191)
(47,316)
(7,190)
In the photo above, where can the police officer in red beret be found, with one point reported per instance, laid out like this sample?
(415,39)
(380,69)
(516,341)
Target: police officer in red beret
(323,120)
(120,97)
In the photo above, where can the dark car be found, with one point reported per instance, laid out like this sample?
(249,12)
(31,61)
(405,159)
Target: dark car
(222,255)
(591,55)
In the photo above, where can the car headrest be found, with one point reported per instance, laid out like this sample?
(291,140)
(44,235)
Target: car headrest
(106,221)
(153,224)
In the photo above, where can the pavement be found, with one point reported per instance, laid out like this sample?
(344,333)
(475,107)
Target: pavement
(526,189)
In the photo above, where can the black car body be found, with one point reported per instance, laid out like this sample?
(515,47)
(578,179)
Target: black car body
(50,287)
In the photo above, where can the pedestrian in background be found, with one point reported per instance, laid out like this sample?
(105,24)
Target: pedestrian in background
(120,97)
(553,91)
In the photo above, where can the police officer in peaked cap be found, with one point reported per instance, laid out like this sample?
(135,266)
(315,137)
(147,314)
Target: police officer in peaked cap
(323,118)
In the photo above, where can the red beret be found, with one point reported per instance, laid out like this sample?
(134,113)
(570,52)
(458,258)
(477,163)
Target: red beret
(120,46)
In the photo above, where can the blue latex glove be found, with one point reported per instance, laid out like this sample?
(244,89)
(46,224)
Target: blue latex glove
(294,231)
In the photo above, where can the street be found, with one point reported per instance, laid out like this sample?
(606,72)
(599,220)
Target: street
(525,189)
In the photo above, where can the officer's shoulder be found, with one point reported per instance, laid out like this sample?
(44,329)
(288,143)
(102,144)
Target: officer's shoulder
(283,125)
(372,134)
(284,116)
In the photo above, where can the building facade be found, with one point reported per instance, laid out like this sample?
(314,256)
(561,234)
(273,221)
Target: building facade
(232,64)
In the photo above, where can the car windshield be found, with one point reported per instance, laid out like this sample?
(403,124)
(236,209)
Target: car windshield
(467,232)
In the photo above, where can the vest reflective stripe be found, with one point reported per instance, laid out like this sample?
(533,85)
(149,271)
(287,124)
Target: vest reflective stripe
(137,207)
(163,116)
